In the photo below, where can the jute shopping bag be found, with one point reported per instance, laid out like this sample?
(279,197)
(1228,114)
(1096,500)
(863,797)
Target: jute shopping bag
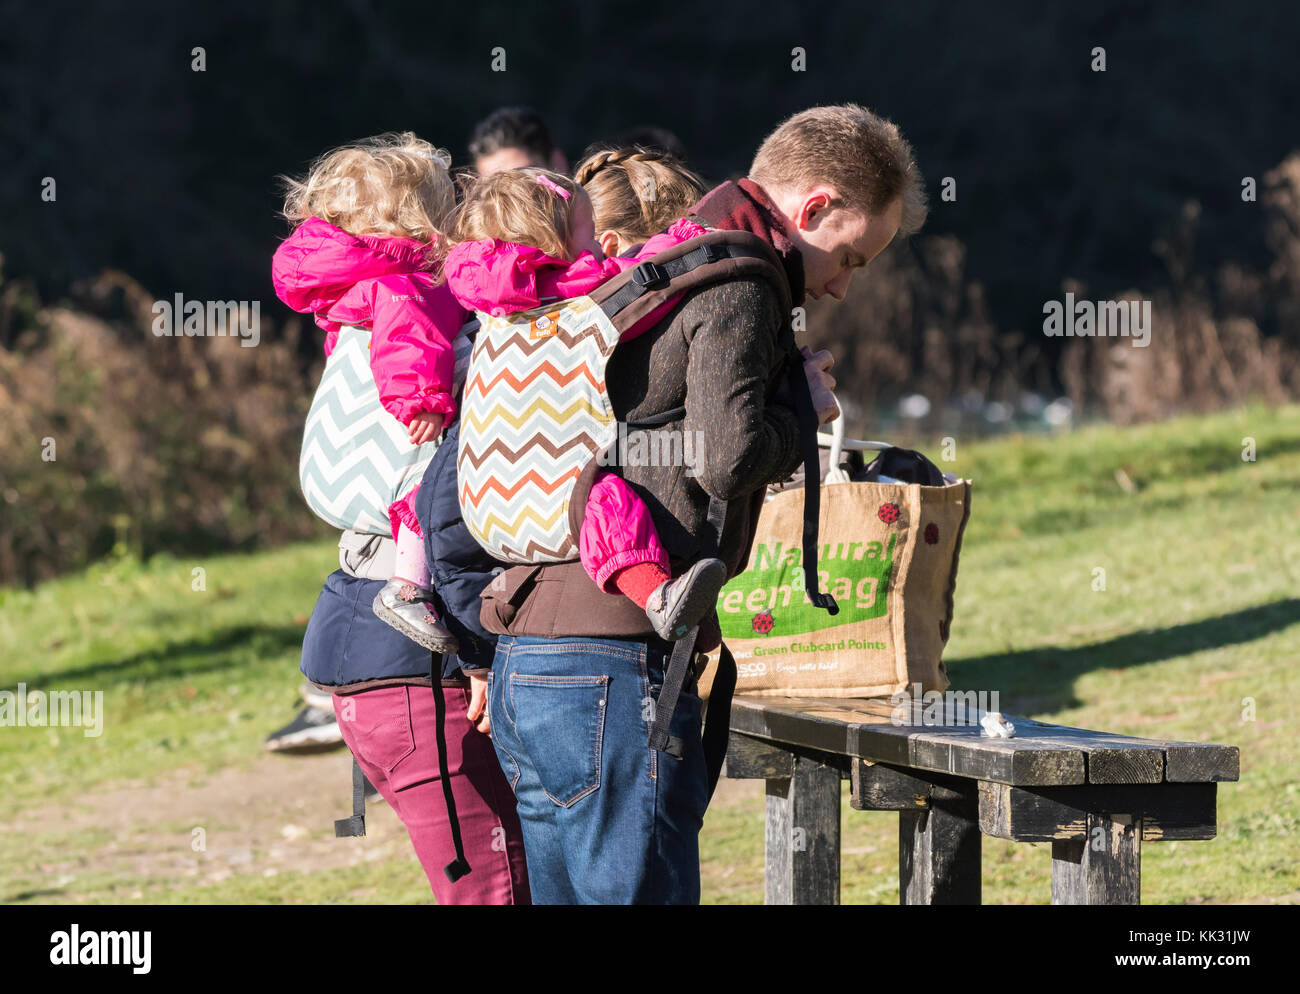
(888,553)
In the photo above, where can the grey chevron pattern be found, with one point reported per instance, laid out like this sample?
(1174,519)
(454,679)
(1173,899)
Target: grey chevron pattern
(356,457)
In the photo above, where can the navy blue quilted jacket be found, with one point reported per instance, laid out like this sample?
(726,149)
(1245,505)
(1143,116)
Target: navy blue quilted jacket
(460,567)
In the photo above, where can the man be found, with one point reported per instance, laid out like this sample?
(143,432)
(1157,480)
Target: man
(511,138)
(606,819)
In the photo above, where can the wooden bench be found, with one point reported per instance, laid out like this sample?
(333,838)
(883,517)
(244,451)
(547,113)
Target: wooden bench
(1095,796)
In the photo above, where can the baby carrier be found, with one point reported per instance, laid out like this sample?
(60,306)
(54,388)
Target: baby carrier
(357,459)
(536,423)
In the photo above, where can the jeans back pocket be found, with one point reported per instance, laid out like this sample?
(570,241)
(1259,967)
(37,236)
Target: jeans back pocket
(560,721)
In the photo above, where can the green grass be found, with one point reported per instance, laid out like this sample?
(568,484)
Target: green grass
(1198,622)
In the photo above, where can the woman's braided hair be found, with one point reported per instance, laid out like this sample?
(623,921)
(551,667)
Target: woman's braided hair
(637,192)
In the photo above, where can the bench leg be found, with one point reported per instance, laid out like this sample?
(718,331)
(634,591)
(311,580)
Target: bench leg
(939,850)
(802,836)
(1104,868)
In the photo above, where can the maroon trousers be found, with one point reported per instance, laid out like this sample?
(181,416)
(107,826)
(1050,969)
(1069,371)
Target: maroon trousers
(391,732)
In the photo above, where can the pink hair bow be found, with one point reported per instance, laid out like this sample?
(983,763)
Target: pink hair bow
(553,186)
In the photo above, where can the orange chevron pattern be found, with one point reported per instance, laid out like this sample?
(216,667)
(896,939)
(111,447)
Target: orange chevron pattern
(534,412)
(518,384)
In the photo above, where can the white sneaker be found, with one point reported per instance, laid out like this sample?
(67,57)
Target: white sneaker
(409,609)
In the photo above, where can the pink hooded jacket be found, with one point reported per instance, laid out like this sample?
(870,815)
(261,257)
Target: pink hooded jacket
(499,277)
(378,282)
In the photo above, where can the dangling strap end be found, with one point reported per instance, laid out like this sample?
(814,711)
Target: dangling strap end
(347,828)
(456,869)
(827,603)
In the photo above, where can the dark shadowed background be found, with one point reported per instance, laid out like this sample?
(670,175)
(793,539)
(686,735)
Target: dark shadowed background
(1122,182)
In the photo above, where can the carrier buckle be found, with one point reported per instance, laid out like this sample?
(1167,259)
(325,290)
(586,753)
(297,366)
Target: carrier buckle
(650,276)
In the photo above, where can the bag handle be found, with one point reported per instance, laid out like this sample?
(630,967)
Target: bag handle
(837,443)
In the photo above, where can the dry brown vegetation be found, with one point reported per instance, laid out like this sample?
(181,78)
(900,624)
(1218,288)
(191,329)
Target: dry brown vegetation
(157,443)
(180,443)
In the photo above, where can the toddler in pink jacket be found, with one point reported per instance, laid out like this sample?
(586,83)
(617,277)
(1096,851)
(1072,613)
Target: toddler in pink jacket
(526,237)
(366,252)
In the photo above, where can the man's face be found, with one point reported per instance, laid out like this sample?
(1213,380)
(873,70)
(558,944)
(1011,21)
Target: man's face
(836,242)
(518,158)
(507,158)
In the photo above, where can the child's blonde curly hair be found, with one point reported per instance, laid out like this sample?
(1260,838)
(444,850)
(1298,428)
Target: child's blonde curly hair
(518,205)
(391,184)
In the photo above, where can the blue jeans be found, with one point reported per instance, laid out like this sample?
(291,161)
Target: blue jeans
(606,820)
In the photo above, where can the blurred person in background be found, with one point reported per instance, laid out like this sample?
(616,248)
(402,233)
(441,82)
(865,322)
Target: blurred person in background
(513,137)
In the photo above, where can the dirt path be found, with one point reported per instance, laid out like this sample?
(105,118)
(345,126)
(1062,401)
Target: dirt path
(188,830)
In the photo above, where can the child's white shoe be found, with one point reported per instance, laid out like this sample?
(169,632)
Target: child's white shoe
(409,609)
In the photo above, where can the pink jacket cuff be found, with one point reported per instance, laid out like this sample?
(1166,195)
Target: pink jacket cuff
(438,402)
(402,512)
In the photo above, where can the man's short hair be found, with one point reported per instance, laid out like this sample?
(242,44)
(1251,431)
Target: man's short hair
(862,155)
(511,127)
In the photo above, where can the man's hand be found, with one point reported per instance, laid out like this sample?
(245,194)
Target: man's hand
(478,700)
(425,427)
(816,367)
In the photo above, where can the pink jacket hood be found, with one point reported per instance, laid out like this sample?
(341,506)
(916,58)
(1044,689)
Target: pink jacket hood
(315,268)
(381,283)
(499,277)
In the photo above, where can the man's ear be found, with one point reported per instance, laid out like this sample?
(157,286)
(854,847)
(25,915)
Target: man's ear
(610,243)
(813,208)
(558,162)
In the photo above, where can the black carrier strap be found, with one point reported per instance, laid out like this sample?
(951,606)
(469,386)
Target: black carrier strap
(812,482)
(657,275)
(345,828)
(683,654)
(459,866)
(717,723)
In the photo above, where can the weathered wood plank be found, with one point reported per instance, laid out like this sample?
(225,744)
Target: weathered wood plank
(866,729)
(1040,754)
(939,850)
(1115,758)
(1201,762)
(802,835)
(876,787)
(1168,812)
(749,758)
(1105,867)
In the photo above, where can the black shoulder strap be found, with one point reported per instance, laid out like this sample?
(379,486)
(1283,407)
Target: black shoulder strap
(651,275)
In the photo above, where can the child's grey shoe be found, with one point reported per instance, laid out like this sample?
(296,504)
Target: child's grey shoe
(677,606)
(409,609)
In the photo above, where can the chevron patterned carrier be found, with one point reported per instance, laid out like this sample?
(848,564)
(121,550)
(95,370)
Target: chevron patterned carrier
(533,414)
(357,459)
(535,411)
